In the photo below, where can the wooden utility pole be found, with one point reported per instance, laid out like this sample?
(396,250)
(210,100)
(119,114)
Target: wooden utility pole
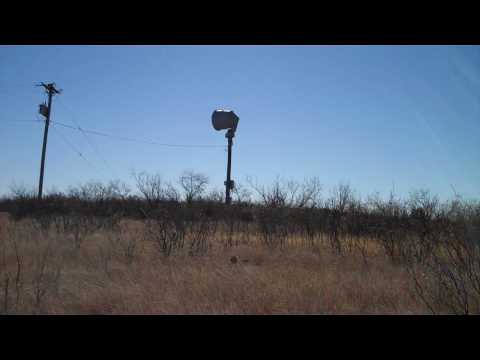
(45,111)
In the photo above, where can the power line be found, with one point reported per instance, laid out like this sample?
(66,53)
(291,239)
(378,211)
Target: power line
(116,137)
(152,142)
(78,152)
(91,143)
(73,147)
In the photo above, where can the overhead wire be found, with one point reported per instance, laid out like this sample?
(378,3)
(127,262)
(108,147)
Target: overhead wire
(64,138)
(73,147)
(144,141)
(90,142)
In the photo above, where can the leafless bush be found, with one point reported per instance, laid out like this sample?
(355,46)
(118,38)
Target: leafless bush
(129,248)
(152,187)
(36,270)
(338,203)
(289,193)
(11,276)
(310,227)
(241,194)
(81,226)
(229,229)
(22,192)
(127,241)
(4,273)
(307,194)
(274,217)
(274,196)
(171,193)
(447,277)
(272,225)
(105,255)
(390,225)
(216,196)
(200,231)
(99,192)
(47,272)
(193,185)
(167,230)
(423,208)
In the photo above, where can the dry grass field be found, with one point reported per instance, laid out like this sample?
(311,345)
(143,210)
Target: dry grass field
(122,272)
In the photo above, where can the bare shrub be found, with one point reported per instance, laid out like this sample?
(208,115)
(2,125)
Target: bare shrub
(99,192)
(193,185)
(200,231)
(273,227)
(171,193)
(105,255)
(22,192)
(307,194)
(10,275)
(216,196)
(129,247)
(423,208)
(273,218)
(4,275)
(47,272)
(36,270)
(338,203)
(127,241)
(241,194)
(81,226)
(274,196)
(447,276)
(152,187)
(167,230)
(390,226)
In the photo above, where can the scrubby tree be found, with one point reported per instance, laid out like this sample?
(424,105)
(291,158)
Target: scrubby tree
(151,186)
(289,193)
(241,194)
(193,184)
(20,192)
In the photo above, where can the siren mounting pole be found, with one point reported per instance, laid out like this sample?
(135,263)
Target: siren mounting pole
(50,89)
(229,183)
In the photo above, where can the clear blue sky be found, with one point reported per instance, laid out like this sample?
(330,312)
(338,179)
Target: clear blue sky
(371,116)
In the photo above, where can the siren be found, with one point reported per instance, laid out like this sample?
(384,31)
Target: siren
(224,119)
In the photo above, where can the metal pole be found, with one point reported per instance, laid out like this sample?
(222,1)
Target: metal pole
(228,183)
(45,136)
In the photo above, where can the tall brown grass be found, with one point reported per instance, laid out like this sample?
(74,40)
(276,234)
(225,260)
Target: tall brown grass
(121,271)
